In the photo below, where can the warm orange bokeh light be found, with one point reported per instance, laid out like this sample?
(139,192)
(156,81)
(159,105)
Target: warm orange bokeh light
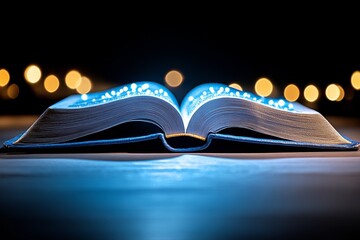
(85,85)
(32,74)
(73,79)
(291,92)
(4,77)
(51,83)
(355,80)
(174,78)
(332,92)
(236,86)
(13,91)
(263,87)
(311,93)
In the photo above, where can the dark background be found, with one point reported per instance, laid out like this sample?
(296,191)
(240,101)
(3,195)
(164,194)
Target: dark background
(297,44)
(261,196)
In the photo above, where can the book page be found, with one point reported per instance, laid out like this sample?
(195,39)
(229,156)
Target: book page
(204,93)
(80,115)
(119,93)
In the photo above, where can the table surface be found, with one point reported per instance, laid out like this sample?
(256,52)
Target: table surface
(264,195)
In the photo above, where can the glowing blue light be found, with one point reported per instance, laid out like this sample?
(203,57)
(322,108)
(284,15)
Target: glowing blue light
(281,103)
(145,86)
(129,90)
(195,97)
(206,92)
(246,95)
(84,97)
(221,89)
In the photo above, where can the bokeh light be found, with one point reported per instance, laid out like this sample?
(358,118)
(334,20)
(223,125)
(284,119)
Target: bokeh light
(236,86)
(73,79)
(4,77)
(51,83)
(355,80)
(291,92)
(84,86)
(342,93)
(32,74)
(13,91)
(174,78)
(332,92)
(311,93)
(263,87)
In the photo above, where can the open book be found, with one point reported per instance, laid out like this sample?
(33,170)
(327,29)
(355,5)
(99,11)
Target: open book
(209,111)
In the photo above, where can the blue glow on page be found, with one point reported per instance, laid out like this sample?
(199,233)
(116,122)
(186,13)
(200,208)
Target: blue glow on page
(208,91)
(126,91)
(193,100)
